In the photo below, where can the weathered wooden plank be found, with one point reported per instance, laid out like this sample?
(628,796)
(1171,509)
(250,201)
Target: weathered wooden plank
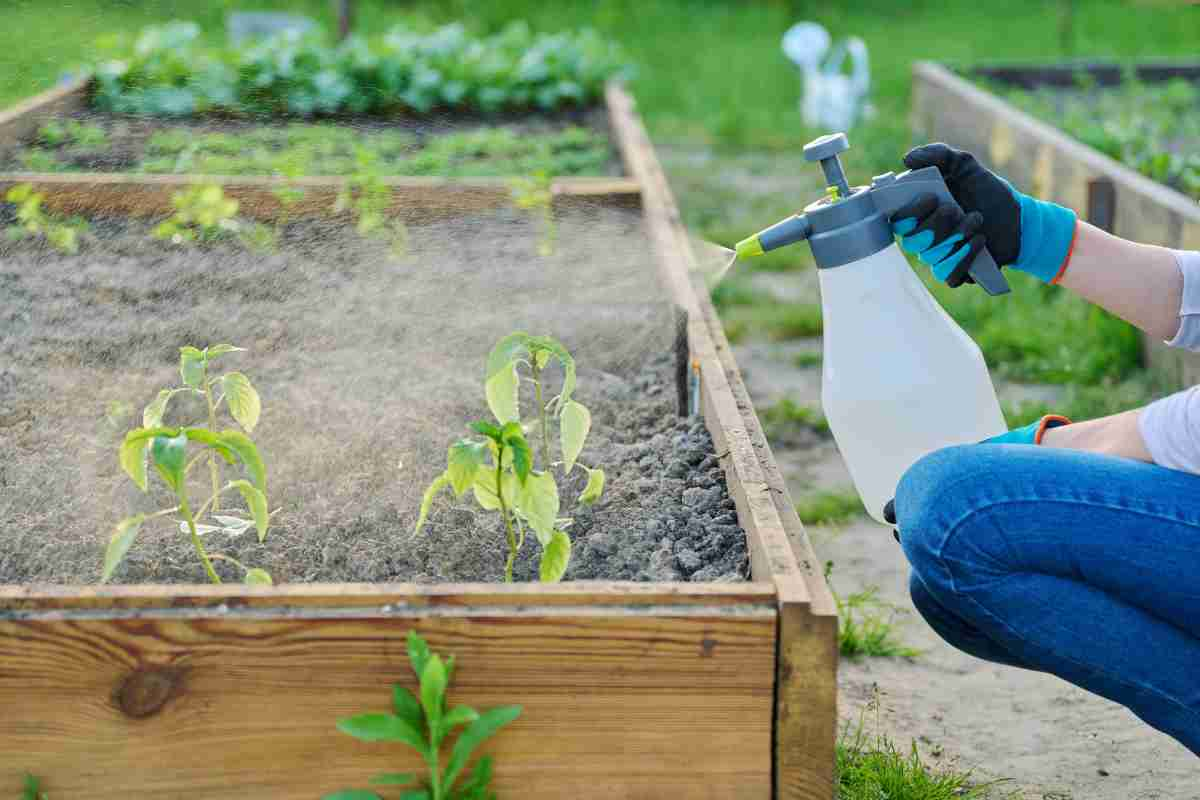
(616,705)
(22,120)
(395,597)
(806,694)
(1031,76)
(412,198)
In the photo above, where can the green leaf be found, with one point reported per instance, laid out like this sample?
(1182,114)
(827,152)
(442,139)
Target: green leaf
(459,715)
(152,414)
(595,485)
(507,351)
(439,483)
(406,706)
(119,544)
(382,728)
(479,731)
(169,454)
(501,390)
(555,557)
(538,503)
(221,349)
(486,429)
(191,366)
(485,490)
(418,653)
(256,576)
(433,691)
(352,794)
(256,501)
(206,437)
(241,444)
(541,358)
(522,454)
(394,778)
(464,460)
(552,345)
(244,403)
(476,786)
(574,423)
(132,454)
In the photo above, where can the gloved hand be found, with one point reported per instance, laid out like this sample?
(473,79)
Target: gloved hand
(1031,235)
(1029,434)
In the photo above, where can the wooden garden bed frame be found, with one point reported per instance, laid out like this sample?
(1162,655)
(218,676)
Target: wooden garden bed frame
(1055,166)
(630,690)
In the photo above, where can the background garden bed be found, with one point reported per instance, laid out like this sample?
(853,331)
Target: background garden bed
(1053,165)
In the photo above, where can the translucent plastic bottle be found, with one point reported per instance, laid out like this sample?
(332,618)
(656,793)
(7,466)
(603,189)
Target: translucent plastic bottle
(901,378)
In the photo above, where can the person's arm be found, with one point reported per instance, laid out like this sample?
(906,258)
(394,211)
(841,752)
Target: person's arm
(1140,283)
(1118,435)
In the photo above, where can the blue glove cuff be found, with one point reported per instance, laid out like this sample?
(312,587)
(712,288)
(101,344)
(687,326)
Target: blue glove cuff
(1047,233)
(1031,433)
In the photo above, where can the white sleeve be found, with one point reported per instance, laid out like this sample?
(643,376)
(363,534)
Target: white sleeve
(1170,427)
(1188,336)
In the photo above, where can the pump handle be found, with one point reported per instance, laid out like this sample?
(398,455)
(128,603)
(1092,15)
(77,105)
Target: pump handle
(890,192)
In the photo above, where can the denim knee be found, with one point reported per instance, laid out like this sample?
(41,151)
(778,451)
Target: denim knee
(929,499)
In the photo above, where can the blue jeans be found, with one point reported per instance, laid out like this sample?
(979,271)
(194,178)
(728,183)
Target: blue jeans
(1080,565)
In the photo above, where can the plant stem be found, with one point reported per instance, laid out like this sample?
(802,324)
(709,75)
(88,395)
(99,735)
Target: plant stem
(508,530)
(186,510)
(435,777)
(213,469)
(537,389)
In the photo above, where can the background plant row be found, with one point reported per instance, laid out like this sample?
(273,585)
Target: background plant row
(1152,128)
(169,72)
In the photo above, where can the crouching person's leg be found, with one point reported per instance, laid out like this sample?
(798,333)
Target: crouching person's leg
(1081,565)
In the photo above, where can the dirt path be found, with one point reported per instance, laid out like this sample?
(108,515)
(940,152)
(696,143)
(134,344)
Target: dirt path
(1049,739)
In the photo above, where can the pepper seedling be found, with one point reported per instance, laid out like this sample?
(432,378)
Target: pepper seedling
(423,722)
(509,482)
(32,221)
(166,449)
(534,194)
(203,213)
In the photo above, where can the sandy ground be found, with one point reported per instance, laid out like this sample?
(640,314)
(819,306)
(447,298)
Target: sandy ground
(1046,738)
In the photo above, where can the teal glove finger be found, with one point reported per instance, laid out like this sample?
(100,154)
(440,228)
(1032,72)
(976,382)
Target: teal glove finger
(1031,433)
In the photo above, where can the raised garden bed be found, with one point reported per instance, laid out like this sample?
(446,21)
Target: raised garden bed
(1053,165)
(92,162)
(630,689)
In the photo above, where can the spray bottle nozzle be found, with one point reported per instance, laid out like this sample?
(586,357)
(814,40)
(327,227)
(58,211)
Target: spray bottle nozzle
(785,232)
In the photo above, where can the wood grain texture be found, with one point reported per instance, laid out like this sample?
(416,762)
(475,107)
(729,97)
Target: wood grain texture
(393,597)
(806,691)
(625,704)
(413,199)
(22,120)
(1143,210)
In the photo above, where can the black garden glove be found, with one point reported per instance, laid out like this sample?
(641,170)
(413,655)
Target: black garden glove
(1028,234)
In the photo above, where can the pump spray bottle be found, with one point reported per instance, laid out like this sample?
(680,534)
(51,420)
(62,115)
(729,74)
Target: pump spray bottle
(900,378)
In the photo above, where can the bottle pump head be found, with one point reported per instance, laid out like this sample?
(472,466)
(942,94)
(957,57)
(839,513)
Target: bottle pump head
(848,225)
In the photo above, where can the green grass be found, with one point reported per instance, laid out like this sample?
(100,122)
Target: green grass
(773,320)
(786,416)
(1090,402)
(867,627)
(807,359)
(830,507)
(873,768)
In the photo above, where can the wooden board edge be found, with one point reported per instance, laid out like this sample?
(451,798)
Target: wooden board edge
(412,197)
(408,596)
(22,120)
(806,684)
(1096,162)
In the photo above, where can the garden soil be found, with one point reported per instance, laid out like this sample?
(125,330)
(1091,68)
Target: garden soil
(369,364)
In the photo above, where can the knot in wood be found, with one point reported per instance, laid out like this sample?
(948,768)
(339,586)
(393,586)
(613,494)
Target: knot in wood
(146,690)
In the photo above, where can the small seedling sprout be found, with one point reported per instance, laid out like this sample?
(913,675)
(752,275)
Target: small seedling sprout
(422,721)
(510,483)
(33,221)
(166,448)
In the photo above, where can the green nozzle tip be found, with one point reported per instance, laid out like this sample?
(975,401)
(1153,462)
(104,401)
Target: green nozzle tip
(750,246)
